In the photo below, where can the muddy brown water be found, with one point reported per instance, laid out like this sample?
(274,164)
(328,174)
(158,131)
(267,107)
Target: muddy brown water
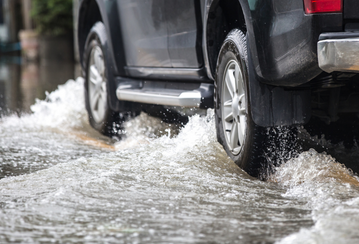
(62,182)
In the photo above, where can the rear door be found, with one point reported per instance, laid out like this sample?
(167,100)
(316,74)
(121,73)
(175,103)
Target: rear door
(184,33)
(162,33)
(144,31)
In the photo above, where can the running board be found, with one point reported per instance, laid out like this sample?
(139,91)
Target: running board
(202,97)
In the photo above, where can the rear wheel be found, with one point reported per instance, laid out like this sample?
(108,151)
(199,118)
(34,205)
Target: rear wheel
(236,131)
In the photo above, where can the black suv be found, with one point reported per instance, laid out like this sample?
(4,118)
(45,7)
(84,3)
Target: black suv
(258,63)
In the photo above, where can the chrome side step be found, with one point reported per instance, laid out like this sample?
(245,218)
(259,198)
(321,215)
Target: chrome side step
(165,96)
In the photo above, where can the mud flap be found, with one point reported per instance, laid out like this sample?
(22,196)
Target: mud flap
(276,106)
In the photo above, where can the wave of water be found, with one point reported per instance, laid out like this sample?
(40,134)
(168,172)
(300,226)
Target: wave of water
(332,193)
(62,109)
(162,184)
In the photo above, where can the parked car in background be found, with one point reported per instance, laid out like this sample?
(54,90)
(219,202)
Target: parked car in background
(258,63)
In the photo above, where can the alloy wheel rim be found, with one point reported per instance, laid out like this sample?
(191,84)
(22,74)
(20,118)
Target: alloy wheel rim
(97,85)
(233,106)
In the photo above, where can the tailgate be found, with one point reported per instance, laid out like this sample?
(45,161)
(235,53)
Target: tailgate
(351,9)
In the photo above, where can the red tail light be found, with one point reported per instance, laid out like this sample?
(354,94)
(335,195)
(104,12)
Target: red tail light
(323,6)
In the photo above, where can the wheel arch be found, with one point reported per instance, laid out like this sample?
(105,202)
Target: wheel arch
(271,106)
(92,11)
(225,15)
(89,14)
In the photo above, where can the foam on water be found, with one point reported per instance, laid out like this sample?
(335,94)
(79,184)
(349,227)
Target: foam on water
(152,175)
(47,136)
(162,183)
(332,192)
(62,109)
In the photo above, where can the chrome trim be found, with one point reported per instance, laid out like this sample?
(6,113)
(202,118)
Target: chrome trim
(339,55)
(161,97)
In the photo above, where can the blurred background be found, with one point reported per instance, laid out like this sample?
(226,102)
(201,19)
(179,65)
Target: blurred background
(38,50)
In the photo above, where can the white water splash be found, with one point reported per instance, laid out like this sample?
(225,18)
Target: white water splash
(332,192)
(172,184)
(62,109)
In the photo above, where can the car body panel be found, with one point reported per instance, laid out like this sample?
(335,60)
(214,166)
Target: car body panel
(184,33)
(283,40)
(172,34)
(351,9)
(144,32)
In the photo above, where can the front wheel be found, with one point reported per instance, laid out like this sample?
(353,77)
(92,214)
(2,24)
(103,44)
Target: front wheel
(236,131)
(101,116)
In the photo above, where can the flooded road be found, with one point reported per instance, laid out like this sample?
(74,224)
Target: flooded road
(62,182)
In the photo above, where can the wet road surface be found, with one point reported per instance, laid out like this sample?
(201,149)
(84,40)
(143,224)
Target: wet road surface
(62,182)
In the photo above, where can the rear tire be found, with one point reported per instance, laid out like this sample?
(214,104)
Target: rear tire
(240,137)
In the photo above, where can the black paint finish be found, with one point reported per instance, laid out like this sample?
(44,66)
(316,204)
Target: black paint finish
(284,40)
(351,9)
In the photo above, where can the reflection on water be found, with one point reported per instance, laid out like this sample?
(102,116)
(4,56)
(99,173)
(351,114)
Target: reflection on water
(10,73)
(21,82)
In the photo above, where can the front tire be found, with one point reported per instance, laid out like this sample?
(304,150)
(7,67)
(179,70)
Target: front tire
(97,74)
(240,137)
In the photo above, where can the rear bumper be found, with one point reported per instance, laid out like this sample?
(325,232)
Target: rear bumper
(339,52)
